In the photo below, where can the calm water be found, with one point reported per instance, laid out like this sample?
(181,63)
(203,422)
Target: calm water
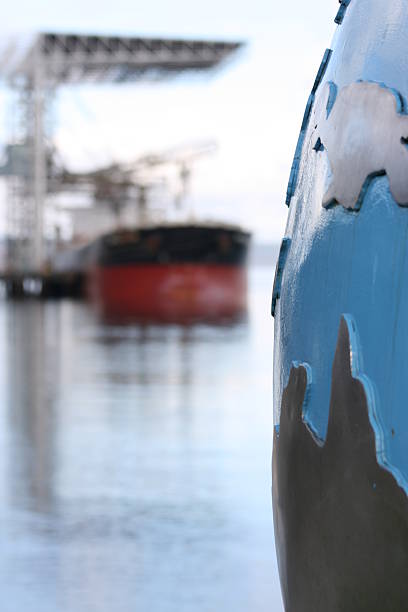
(135,463)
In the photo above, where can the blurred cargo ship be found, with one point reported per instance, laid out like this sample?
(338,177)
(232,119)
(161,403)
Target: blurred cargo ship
(158,271)
(183,272)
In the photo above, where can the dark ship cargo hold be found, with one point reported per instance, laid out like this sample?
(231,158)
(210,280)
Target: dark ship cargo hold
(185,272)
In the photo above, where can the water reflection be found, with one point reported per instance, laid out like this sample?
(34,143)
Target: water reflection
(136,463)
(33,367)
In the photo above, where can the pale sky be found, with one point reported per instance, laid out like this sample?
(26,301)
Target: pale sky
(253,107)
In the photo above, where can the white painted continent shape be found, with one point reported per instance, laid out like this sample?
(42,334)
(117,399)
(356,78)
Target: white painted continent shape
(362,136)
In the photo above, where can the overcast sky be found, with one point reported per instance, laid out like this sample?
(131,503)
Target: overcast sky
(253,107)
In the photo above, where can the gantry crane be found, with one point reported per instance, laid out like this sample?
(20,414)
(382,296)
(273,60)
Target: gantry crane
(36,70)
(119,185)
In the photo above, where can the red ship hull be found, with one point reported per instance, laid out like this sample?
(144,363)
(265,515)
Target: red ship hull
(178,292)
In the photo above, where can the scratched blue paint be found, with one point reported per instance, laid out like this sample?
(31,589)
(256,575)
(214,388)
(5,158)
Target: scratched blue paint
(344,261)
(332,98)
(342,11)
(322,70)
(358,263)
(280,265)
(298,152)
(294,172)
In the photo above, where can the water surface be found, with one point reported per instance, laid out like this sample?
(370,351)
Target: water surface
(135,462)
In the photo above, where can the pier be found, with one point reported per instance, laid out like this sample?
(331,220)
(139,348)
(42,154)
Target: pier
(42,285)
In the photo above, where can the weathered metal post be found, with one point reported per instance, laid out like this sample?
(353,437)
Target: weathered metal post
(340,301)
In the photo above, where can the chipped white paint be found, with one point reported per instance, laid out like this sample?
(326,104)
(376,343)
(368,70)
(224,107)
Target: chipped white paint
(362,136)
